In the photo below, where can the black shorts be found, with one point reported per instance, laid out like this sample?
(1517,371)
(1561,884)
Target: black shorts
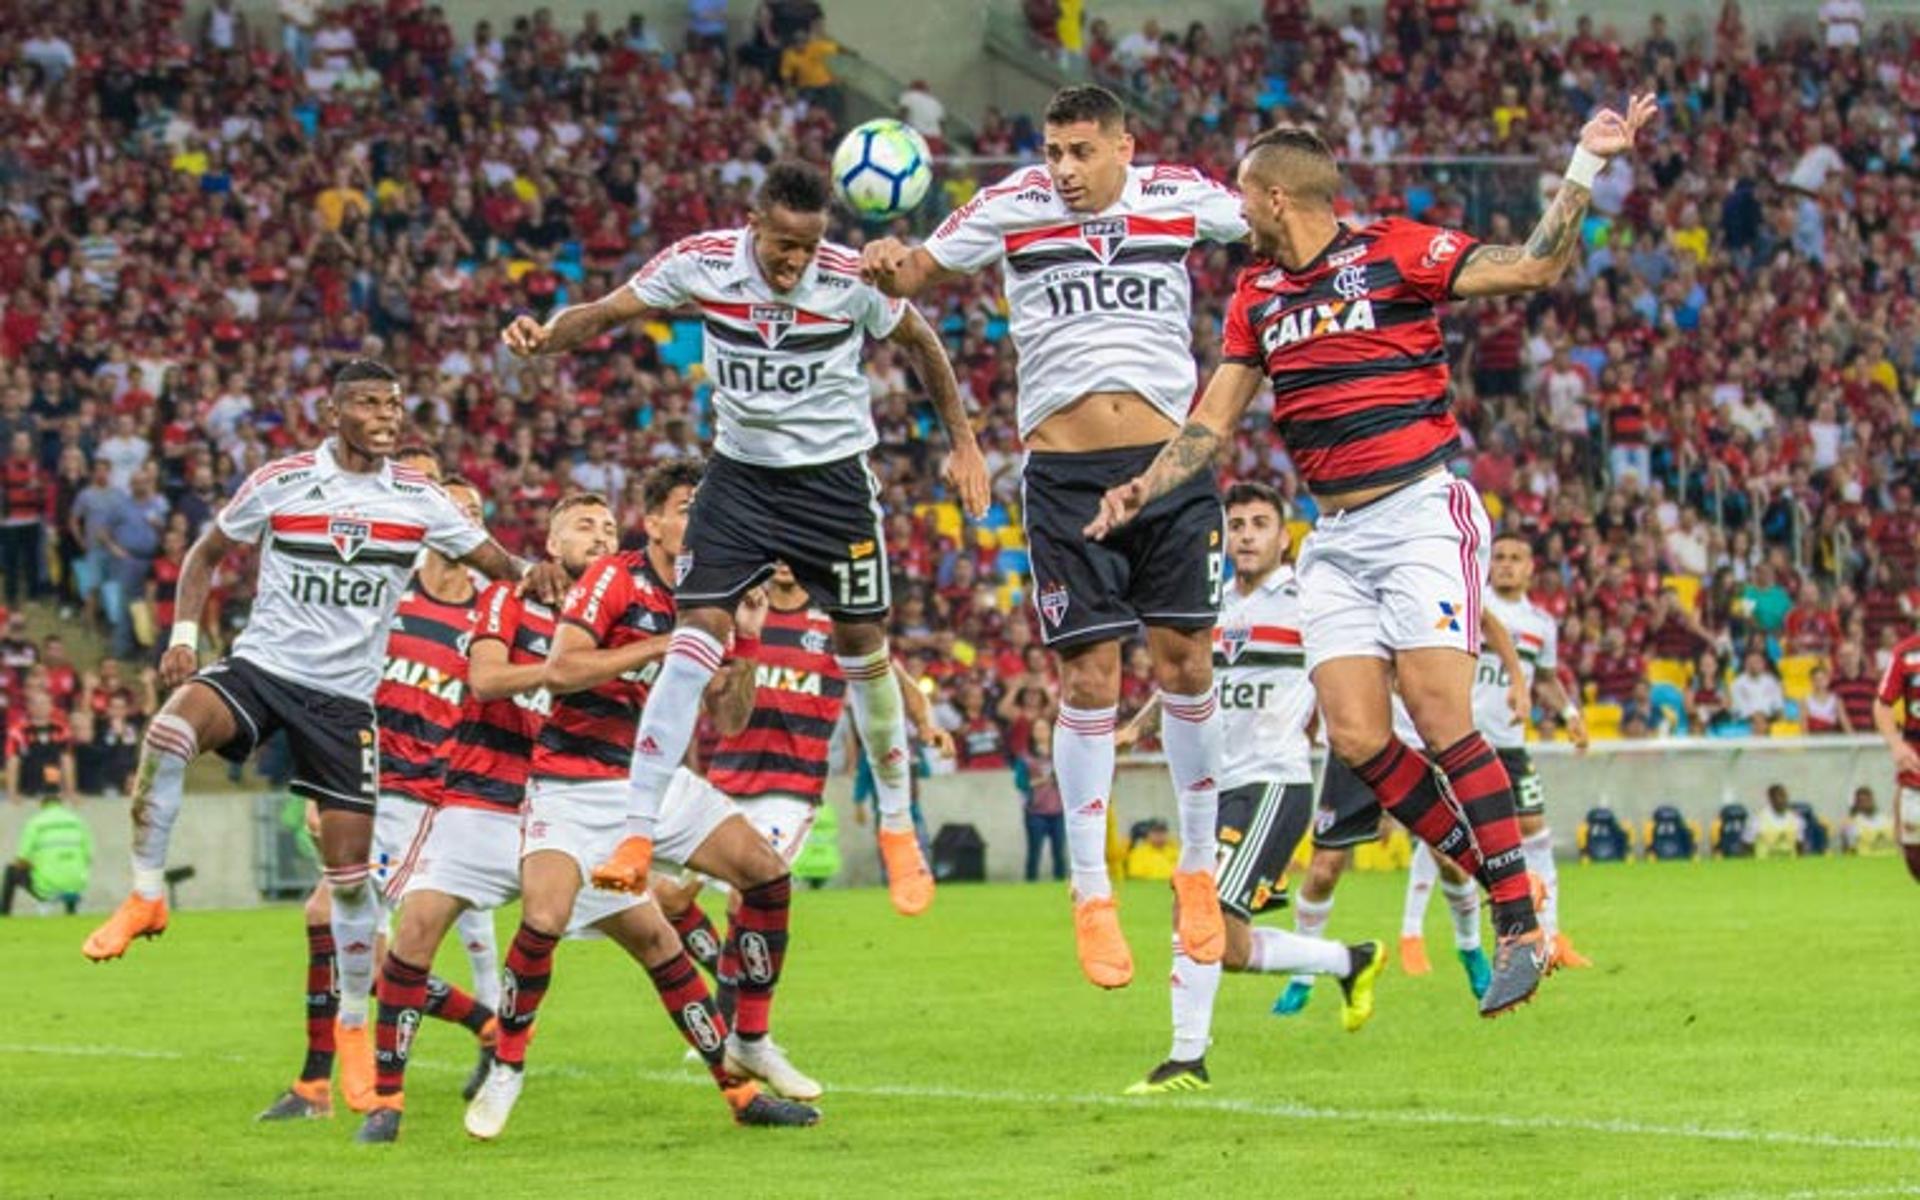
(1162,568)
(335,739)
(1348,813)
(1528,798)
(1260,825)
(823,522)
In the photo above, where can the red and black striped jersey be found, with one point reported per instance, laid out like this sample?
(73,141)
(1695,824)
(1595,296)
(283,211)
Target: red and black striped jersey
(423,689)
(589,734)
(491,753)
(1901,684)
(1355,353)
(799,692)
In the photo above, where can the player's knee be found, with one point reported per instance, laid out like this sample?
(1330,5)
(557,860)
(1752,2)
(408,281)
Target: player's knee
(349,883)
(715,622)
(318,910)
(544,915)
(853,637)
(172,737)
(1090,677)
(1357,741)
(763,867)
(1182,665)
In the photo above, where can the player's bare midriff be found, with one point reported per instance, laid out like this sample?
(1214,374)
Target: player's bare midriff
(1102,421)
(1338,502)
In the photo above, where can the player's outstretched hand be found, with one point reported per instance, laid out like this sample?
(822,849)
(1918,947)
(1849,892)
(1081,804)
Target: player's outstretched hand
(1609,134)
(1119,506)
(938,740)
(546,582)
(1577,730)
(881,259)
(966,474)
(750,617)
(524,336)
(178,664)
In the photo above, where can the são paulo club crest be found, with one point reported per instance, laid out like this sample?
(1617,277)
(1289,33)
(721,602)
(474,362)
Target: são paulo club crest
(1233,639)
(772,320)
(348,535)
(1053,603)
(1104,236)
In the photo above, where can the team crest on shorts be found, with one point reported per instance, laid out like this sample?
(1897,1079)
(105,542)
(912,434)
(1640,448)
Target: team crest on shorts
(1053,603)
(348,536)
(1449,617)
(682,563)
(1233,639)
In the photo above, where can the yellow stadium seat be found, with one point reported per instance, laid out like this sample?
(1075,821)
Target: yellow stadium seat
(1495,506)
(1785,729)
(659,331)
(1796,674)
(947,521)
(1603,720)
(1011,538)
(1011,593)
(1685,587)
(1297,532)
(985,539)
(1675,671)
(517,267)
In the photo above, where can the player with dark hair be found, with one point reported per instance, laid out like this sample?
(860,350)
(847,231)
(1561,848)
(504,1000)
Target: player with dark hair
(339,529)
(608,643)
(1341,321)
(1093,251)
(785,313)
(1266,793)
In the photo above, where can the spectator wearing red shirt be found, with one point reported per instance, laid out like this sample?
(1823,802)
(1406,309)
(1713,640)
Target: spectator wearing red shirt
(39,751)
(1615,668)
(1855,682)
(27,506)
(1708,703)
(979,740)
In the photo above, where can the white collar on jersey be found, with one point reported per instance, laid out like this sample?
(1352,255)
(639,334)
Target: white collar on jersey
(327,466)
(749,267)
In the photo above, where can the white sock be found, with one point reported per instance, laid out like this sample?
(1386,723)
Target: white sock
(1422,872)
(666,724)
(1276,950)
(1194,987)
(483,952)
(1463,901)
(356,917)
(1083,763)
(1310,920)
(1190,733)
(873,693)
(157,792)
(1538,850)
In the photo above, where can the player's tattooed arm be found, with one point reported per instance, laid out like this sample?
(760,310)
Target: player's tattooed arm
(966,469)
(1212,424)
(1500,270)
(574,325)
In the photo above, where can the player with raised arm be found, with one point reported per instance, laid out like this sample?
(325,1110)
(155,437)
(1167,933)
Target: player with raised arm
(607,648)
(1266,793)
(339,529)
(1536,639)
(1900,729)
(785,313)
(1093,251)
(1341,321)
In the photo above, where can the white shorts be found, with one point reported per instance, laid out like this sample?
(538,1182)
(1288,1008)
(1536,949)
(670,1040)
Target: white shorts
(397,822)
(1909,802)
(471,854)
(1401,573)
(785,821)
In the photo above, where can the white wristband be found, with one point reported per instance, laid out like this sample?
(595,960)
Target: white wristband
(1585,167)
(185,633)
(1570,712)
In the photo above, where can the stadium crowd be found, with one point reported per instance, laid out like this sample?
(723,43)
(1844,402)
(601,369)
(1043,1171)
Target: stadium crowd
(1710,431)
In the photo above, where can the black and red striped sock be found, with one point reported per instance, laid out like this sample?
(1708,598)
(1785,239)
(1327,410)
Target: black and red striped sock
(758,935)
(1913,861)
(523,984)
(323,1004)
(691,1006)
(700,938)
(1485,793)
(1403,782)
(449,1003)
(402,992)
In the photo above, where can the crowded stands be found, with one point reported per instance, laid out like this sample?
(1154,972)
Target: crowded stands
(1709,431)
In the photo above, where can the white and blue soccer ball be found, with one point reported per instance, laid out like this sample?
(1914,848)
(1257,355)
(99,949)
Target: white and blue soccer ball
(882,169)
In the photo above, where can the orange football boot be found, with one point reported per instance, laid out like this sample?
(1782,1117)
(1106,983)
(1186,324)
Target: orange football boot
(627,870)
(137,916)
(353,1050)
(909,883)
(1104,957)
(1203,933)
(1413,955)
(1565,955)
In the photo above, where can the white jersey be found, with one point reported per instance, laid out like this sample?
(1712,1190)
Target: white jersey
(336,550)
(1260,673)
(1537,641)
(788,389)
(1101,302)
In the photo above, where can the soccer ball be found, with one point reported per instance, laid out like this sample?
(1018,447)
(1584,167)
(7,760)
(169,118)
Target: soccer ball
(882,169)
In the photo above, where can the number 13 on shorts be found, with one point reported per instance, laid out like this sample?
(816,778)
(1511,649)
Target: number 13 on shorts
(860,582)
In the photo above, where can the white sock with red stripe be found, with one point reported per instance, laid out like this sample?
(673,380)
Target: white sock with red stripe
(1083,764)
(483,953)
(1194,988)
(1190,734)
(157,792)
(1463,903)
(1275,950)
(356,916)
(1537,849)
(873,693)
(666,724)
(1310,920)
(1422,873)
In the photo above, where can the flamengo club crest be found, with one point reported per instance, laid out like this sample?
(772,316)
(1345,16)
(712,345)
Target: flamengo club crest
(772,320)
(1104,235)
(348,535)
(1233,639)
(1053,603)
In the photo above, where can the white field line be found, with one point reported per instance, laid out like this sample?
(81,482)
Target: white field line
(1251,1108)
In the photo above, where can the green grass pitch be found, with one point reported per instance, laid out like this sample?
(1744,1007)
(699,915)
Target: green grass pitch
(1749,1030)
